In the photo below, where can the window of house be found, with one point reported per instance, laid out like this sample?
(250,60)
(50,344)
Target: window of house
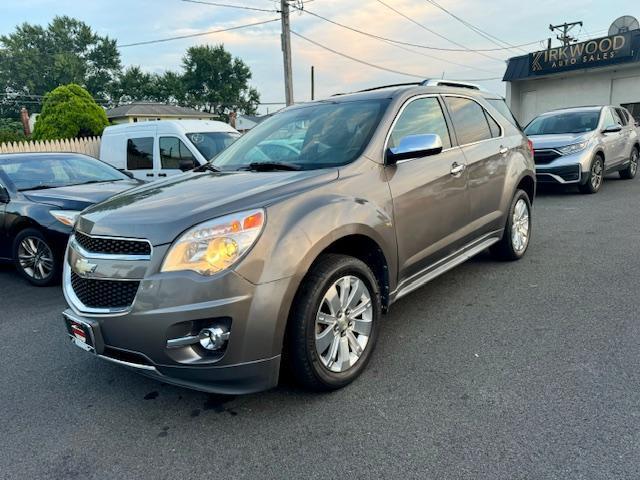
(420,117)
(469,120)
(140,153)
(175,155)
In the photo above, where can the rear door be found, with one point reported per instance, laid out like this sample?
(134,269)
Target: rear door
(482,141)
(430,200)
(140,155)
(175,156)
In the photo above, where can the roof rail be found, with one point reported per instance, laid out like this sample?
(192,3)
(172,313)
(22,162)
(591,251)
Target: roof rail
(441,82)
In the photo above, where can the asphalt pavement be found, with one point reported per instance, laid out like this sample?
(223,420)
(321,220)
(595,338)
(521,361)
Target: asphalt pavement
(525,370)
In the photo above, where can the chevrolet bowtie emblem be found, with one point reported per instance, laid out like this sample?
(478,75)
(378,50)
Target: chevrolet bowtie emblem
(84,267)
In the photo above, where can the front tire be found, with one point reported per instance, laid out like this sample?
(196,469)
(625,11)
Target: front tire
(517,231)
(595,177)
(631,170)
(333,324)
(34,258)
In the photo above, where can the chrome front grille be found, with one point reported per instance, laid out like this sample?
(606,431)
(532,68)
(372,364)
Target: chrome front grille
(102,275)
(113,246)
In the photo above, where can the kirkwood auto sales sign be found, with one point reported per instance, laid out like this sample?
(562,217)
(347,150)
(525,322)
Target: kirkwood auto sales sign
(593,53)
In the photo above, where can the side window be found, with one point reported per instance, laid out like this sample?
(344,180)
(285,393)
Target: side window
(493,125)
(622,116)
(469,120)
(421,116)
(175,155)
(608,118)
(140,153)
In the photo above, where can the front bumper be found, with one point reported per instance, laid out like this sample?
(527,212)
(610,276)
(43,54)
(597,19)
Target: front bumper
(554,168)
(179,304)
(565,174)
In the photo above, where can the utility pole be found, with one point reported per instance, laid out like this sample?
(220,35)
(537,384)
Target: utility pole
(564,37)
(313,83)
(286,51)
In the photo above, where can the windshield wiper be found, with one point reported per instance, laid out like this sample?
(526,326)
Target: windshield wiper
(207,166)
(37,187)
(271,166)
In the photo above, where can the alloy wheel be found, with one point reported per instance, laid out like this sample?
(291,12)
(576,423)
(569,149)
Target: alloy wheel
(35,258)
(520,225)
(596,174)
(633,167)
(343,323)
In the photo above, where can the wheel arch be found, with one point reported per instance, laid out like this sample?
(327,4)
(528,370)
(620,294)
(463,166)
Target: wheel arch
(528,184)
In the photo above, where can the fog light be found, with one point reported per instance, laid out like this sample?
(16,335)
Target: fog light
(213,338)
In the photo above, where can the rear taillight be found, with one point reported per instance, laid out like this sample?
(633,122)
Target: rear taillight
(530,143)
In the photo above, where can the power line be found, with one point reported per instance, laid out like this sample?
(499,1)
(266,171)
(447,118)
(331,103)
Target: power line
(424,27)
(409,44)
(401,47)
(199,34)
(372,65)
(476,29)
(227,5)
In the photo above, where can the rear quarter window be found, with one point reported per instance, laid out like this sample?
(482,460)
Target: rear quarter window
(501,106)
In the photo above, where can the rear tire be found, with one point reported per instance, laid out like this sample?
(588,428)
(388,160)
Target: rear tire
(34,258)
(333,325)
(631,170)
(595,177)
(517,231)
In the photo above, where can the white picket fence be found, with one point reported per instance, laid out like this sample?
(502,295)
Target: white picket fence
(89,146)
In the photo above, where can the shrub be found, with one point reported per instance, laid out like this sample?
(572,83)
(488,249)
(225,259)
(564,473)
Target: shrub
(69,111)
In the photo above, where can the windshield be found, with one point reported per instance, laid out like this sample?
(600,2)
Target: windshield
(210,144)
(568,122)
(32,172)
(309,137)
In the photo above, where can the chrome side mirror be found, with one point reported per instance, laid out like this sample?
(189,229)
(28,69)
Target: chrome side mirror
(414,146)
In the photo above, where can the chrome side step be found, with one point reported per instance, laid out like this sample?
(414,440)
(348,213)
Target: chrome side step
(456,259)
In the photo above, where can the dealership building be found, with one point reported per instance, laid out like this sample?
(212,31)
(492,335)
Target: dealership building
(600,71)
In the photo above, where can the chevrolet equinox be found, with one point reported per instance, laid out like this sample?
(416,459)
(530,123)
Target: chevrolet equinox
(288,247)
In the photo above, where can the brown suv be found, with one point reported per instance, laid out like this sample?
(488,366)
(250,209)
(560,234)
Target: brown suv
(294,241)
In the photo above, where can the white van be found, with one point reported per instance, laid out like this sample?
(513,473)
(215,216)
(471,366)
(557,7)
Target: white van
(152,150)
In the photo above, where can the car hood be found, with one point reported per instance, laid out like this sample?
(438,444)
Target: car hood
(558,140)
(79,197)
(160,211)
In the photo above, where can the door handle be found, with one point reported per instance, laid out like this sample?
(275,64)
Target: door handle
(149,174)
(162,174)
(457,168)
(503,150)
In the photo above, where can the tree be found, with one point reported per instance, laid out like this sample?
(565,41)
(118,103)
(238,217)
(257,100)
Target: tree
(35,60)
(216,82)
(133,85)
(69,111)
(11,130)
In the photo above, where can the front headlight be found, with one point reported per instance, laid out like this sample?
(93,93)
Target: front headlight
(576,147)
(68,217)
(215,245)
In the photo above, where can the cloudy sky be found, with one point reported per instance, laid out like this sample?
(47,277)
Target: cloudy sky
(515,22)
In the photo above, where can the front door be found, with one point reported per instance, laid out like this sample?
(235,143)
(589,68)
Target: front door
(175,156)
(613,141)
(430,199)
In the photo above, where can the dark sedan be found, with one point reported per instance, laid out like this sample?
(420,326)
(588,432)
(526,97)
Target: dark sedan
(40,197)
